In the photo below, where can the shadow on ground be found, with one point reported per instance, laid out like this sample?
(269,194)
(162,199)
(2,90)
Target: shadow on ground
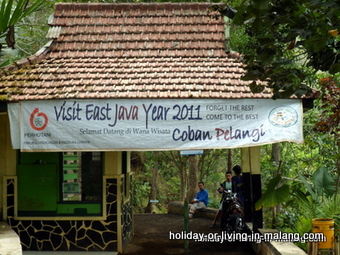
(153,232)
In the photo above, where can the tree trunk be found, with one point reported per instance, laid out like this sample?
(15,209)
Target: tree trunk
(276,159)
(154,181)
(276,153)
(230,159)
(273,217)
(192,177)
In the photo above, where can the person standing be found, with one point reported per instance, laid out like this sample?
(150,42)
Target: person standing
(226,185)
(200,201)
(238,183)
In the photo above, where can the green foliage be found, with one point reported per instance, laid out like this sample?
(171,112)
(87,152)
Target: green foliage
(329,119)
(323,182)
(309,169)
(306,209)
(11,13)
(290,40)
(319,150)
(4,63)
(240,41)
(214,203)
(171,166)
(140,195)
(275,194)
(31,31)
(312,197)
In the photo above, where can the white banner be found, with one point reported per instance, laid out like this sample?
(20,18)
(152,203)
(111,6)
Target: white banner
(155,124)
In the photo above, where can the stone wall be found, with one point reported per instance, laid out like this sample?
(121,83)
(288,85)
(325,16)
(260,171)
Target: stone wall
(177,207)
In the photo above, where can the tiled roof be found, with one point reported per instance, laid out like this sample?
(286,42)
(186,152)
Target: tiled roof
(147,50)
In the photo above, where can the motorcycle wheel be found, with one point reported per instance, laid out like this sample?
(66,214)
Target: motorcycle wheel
(238,225)
(225,226)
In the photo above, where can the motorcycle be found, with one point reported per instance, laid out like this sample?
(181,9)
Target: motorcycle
(232,218)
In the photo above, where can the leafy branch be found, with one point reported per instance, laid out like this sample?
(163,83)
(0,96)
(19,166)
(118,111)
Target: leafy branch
(11,12)
(290,40)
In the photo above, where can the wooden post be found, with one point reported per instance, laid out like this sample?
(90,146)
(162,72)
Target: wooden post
(251,172)
(186,225)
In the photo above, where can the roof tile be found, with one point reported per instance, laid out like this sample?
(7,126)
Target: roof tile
(140,50)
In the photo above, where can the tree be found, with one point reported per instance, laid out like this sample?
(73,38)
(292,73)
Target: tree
(154,182)
(329,119)
(11,13)
(285,45)
(193,179)
(165,176)
(288,41)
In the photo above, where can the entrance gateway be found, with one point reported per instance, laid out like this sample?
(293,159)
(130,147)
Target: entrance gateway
(117,78)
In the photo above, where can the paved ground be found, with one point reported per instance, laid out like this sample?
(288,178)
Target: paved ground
(153,233)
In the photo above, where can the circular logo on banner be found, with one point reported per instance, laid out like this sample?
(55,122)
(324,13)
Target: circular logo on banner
(283,116)
(38,121)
